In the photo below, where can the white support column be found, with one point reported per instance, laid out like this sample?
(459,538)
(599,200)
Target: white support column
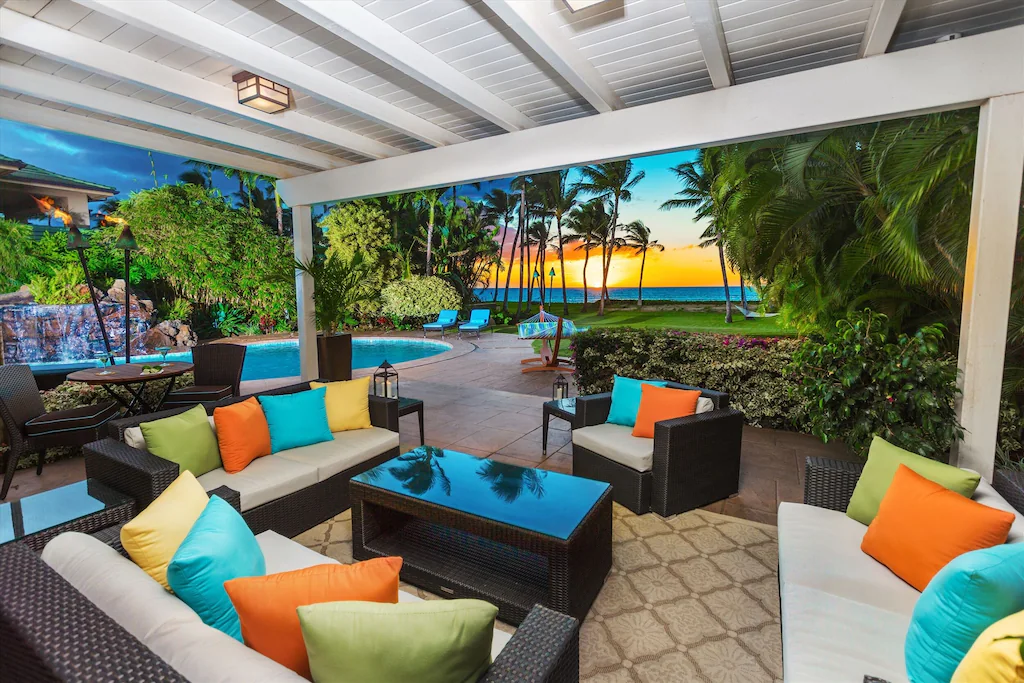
(302,229)
(999,166)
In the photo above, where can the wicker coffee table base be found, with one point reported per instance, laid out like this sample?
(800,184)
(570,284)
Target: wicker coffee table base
(458,555)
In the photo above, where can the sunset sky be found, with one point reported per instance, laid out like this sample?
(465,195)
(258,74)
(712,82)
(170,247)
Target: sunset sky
(129,169)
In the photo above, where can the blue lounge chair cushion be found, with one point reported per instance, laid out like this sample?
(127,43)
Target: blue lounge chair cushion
(478,319)
(444,319)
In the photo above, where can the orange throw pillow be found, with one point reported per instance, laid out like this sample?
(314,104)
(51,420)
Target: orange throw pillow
(662,403)
(242,434)
(921,526)
(267,605)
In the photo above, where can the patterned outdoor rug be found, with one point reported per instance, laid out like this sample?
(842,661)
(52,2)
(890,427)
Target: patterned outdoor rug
(690,599)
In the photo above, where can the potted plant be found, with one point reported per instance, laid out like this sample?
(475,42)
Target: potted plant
(337,289)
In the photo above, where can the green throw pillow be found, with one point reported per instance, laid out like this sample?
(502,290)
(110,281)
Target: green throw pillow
(186,438)
(883,461)
(434,641)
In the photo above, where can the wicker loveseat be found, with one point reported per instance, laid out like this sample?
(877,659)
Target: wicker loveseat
(692,461)
(288,492)
(83,612)
(844,615)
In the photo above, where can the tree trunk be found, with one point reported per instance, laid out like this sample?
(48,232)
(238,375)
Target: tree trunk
(508,271)
(542,257)
(501,250)
(586,260)
(640,289)
(280,212)
(606,257)
(430,236)
(743,293)
(522,244)
(561,263)
(725,281)
(529,275)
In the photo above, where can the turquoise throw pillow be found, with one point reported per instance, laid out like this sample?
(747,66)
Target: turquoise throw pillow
(219,547)
(626,400)
(967,596)
(297,419)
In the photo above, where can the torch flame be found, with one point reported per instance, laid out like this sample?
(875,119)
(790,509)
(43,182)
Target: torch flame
(49,207)
(107,219)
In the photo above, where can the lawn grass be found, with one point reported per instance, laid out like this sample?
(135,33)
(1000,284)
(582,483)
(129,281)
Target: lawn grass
(625,315)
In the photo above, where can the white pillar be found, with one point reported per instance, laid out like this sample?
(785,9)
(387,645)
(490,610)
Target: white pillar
(302,231)
(78,207)
(998,168)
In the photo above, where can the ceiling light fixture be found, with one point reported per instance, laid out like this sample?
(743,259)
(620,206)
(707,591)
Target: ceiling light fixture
(261,93)
(577,5)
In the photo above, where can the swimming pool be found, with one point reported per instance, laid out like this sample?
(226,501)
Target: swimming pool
(267,360)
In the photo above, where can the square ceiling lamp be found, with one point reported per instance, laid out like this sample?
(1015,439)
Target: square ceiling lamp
(261,93)
(577,5)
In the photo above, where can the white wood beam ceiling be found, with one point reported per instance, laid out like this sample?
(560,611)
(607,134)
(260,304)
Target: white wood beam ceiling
(936,77)
(38,115)
(530,21)
(39,37)
(707,24)
(375,36)
(176,23)
(885,15)
(22,79)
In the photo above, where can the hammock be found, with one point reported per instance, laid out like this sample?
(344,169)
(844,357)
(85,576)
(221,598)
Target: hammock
(546,326)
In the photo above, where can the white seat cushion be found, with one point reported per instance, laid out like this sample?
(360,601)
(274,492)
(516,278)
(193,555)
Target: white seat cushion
(617,443)
(161,621)
(844,615)
(348,449)
(263,480)
(704,405)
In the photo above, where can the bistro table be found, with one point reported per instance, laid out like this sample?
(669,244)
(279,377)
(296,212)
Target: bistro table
(130,378)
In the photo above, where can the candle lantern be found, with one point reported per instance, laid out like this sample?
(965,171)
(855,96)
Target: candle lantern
(560,389)
(385,381)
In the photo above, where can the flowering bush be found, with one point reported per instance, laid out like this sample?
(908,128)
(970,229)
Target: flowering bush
(750,369)
(417,297)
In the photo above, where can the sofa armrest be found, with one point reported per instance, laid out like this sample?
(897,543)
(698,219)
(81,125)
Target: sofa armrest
(384,412)
(139,474)
(544,649)
(115,428)
(696,460)
(230,496)
(829,483)
(1010,485)
(51,632)
(593,410)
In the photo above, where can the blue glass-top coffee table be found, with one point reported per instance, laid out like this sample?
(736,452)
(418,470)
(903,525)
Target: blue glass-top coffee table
(472,527)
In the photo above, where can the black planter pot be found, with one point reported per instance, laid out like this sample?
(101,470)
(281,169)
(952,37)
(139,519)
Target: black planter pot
(334,356)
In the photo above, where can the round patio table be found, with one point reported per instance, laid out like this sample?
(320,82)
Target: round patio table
(130,378)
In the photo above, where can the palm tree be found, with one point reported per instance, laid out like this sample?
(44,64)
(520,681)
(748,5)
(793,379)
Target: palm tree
(430,199)
(638,238)
(587,225)
(559,199)
(337,288)
(502,205)
(703,191)
(614,180)
(521,183)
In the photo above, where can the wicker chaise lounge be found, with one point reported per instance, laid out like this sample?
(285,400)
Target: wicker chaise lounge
(144,476)
(692,461)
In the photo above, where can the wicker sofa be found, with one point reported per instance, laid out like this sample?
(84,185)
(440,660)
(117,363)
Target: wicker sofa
(288,492)
(83,612)
(844,615)
(692,461)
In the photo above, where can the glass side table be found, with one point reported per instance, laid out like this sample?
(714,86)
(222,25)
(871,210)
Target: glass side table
(85,506)
(564,408)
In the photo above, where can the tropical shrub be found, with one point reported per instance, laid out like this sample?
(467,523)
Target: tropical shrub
(363,228)
(177,309)
(337,289)
(864,378)
(751,370)
(63,286)
(15,259)
(418,296)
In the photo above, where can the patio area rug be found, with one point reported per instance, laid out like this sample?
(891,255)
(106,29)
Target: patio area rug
(690,599)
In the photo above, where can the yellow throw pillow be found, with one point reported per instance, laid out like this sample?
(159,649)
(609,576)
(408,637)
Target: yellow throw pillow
(152,538)
(348,404)
(997,656)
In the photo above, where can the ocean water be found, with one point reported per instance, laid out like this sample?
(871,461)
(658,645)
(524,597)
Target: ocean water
(575,294)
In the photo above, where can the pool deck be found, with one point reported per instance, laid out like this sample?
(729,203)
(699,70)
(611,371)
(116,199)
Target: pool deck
(478,401)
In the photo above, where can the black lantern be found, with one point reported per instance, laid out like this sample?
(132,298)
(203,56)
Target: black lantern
(126,242)
(78,242)
(560,389)
(385,381)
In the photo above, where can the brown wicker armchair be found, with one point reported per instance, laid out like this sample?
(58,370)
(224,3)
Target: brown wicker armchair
(218,375)
(696,459)
(30,429)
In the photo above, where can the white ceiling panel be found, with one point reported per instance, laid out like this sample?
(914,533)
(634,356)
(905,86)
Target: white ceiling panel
(923,21)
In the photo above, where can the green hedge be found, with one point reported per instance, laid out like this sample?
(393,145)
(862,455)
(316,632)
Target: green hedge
(751,370)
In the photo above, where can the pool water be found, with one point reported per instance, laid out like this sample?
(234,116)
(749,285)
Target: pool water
(267,360)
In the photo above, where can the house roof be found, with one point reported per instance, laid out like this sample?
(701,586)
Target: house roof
(16,171)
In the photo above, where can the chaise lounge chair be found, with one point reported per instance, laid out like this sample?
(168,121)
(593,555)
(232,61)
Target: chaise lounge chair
(479,319)
(445,320)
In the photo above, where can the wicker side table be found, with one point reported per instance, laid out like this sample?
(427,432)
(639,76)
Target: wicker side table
(563,408)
